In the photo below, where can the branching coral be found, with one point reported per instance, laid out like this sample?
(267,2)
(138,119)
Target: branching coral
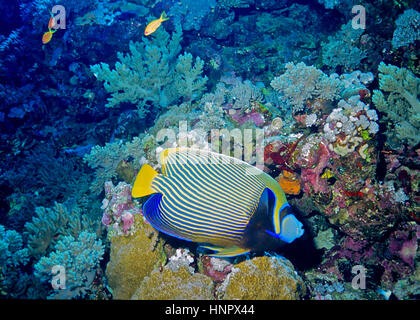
(78,257)
(301,82)
(244,93)
(49,223)
(13,256)
(12,252)
(212,117)
(188,81)
(398,98)
(105,160)
(408,28)
(341,49)
(150,74)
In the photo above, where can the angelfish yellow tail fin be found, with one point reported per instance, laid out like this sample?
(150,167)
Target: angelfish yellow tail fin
(163,16)
(142,184)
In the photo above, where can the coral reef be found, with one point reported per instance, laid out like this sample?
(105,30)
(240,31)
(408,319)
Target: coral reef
(408,28)
(262,278)
(301,82)
(133,258)
(338,108)
(119,209)
(341,49)
(78,259)
(398,98)
(152,74)
(175,285)
(50,223)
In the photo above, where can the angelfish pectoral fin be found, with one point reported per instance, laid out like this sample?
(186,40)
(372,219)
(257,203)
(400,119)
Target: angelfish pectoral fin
(226,252)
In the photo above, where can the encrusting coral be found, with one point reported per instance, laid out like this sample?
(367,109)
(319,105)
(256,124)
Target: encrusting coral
(289,182)
(133,258)
(167,284)
(263,278)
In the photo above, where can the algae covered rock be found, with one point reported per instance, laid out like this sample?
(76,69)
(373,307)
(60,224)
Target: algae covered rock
(263,278)
(133,258)
(167,284)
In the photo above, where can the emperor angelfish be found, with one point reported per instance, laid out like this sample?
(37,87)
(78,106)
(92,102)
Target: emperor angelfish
(221,202)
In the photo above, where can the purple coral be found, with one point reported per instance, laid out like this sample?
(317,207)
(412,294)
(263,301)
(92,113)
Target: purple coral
(119,208)
(403,244)
(127,220)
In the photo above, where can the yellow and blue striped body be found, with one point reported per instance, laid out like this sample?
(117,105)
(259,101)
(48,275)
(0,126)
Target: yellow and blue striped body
(208,198)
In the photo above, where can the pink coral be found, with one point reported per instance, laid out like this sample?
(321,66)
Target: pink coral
(408,251)
(311,177)
(128,220)
(118,208)
(241,118)
(106,219)
(403,244)
(217,272)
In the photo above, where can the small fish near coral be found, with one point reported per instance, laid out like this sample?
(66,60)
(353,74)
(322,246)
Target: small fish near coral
(155,24)
(48,35)
(223,203)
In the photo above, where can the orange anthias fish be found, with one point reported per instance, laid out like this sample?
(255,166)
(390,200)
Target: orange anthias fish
(48,35)
(51,23)
(152,26)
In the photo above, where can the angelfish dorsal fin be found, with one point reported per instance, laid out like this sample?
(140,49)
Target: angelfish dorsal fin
(142,184)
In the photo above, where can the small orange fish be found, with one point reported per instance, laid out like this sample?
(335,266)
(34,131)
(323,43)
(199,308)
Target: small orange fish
(152,26)
(47,36)
(51,23)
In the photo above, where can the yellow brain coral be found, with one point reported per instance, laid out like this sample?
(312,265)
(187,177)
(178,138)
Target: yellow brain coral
(170,285)
(263,278)
(133,258)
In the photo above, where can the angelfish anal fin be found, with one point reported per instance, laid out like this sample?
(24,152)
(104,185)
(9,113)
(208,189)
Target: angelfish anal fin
(221,252)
